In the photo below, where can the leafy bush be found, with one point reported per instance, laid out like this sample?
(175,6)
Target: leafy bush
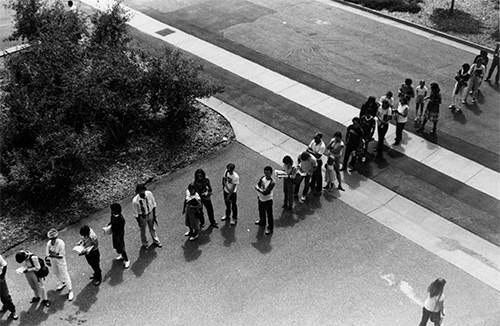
(390,5)
(79,90)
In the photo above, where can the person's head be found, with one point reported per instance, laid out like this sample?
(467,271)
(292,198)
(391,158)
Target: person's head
(466,67)
(330,160)
(268,172)
(388,94)
(483,53)
(85,231)
(355,121)
(436,287)
(140,189)
(371,100)
(408,81)
(21,256)
(435,87)
(116,209)
(287,160)
(199,175)
(317,137)
(403,100)
(52,235)
(422,83)
(479,61)
(191,189)
(337,135)
(70,3)
(304,156)
(230,168)
(385,104)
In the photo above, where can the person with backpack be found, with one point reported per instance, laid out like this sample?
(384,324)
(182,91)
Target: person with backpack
(56,253)
(35,270)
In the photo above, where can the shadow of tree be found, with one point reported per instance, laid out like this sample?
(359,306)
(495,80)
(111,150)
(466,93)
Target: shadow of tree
(459,21)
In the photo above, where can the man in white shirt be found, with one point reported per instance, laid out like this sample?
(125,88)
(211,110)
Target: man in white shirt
(265,187)
(316,148)
(5,297)
(230,182)
(307,164)
(145,213)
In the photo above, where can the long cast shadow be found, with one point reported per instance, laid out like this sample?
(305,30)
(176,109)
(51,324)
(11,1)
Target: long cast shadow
(263,243)
(145,258)
(87,297)
(115,274)
(228,233)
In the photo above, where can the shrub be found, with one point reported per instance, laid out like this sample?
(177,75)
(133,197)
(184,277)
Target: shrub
(390,5)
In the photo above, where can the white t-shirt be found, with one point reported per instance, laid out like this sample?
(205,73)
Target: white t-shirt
(401,110)
(263,184)
(431,303)
(421,91)
(232,181)
(317,148)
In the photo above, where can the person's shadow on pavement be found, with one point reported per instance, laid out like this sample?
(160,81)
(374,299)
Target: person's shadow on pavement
(115,274)
(87,297)
(192,250)
(145,258)
(263,243)
(227,231)
(286,219)
(36,314)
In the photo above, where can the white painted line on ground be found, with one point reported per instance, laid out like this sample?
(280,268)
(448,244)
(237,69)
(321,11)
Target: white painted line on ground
(472,254)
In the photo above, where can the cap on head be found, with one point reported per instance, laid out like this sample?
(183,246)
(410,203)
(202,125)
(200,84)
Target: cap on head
(52,234)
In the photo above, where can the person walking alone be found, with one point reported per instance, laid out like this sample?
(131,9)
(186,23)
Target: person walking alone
(56,253)
(433,308)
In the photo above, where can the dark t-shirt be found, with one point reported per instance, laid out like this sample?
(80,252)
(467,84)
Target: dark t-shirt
(355,133)
(368,126)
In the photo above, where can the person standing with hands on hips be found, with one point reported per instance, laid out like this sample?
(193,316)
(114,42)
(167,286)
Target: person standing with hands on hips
(56,253)
(265,187)
(230,182)
(145,213)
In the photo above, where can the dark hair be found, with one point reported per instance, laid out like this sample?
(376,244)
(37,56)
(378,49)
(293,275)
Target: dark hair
(330,160)
(389,93)
(70,3)
(304,156)
(230,166)
(435,87)
(403,100)
(355,119)
(408,81)
(371,99)
(191,187)
(436,287)
(337,133)
(116,208)
(385,103)
(84,230)
(466,67)
(287,160)
(199,171)
(268,168)
(21,256)
(140,187)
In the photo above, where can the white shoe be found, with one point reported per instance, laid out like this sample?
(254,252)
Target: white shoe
(61,286)
(120,258)
(223,218)
(303,198)
(127,264)
(187,234)
(233,221)
(70,295)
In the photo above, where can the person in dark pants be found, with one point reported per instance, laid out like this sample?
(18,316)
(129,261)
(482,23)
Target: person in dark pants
(90,245)
(288,182)
(433,308)
(230,182)
(383,118)
(6,299)
(204,189)
(401,114)
(117,223)
(265,187)
(353,140)
(494,65)
(316,148)
(306,166)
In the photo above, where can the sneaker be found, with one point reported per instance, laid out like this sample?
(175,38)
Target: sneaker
(233,221)
(34,299)
(464,102)
(223,218)
(416,119)
(60,287)
(46,303)
(119,258)
(303,198)
(158,245)
(145,247)
(70,296)
(473,100)
(187,234)
(451,107)
(487,80)
(14,316)
(97,283)
(193,238)
(258,223)
(202,226)
(214,225)
(268,232)
(363,159)
(4,309)
(127,264)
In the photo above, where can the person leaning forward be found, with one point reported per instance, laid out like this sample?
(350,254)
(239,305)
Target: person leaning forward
(145,213)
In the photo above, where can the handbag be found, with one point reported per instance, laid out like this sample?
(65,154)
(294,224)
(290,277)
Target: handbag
(107,230)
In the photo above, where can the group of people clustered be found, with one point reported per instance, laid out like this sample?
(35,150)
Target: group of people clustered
(307,169)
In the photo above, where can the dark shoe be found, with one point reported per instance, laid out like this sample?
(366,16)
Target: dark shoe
(202,226)
(158,245)
(145,247)
(318,193)
(343,169)
(46,303)
(215,225)
(14,316)
(258,223)
(4,309)
(420,130)
(326,187)
(268,232)
(487,80)
(433,131)
(97,283)
(92,277)
(340,188)
(35,299)
(284,206)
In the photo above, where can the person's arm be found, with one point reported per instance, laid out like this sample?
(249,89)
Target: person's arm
(315,165)
(209,187)
(269,187)
(36,265)
(4,271)
(184,206)
(57,255)
(405,111)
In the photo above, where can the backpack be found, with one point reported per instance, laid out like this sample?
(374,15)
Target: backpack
(43,271)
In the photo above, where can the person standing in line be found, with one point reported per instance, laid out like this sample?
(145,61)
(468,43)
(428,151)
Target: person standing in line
(90,245)
(306,166)
(433,308)
(389,98)
(145,213)
(407,91)
(191,209)
(204,189)
(5,298)
(462,76)
(329,173)
(383,118)
(31,265)
(367,123)
(371,105)
(265,187)
(476,73)
(117,222)
(494,65)
(401,114)
(56,253)
(432,109)
(288,182)
(421,91)
(316,148)
(336,147)
(230,182)
(353,140)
